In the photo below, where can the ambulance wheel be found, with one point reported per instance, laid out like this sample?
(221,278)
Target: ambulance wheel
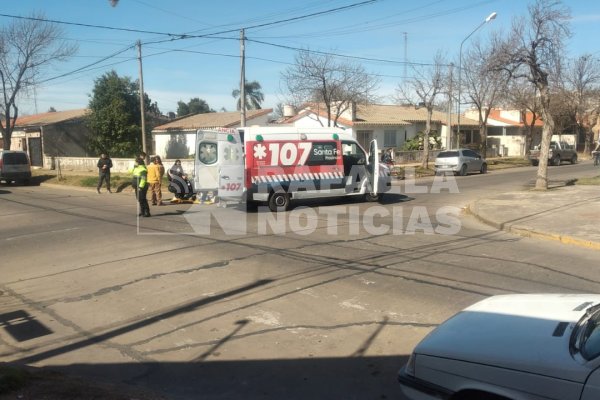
(371,197)
(279,201)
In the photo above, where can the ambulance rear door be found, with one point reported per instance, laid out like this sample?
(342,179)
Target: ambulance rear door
(231,168)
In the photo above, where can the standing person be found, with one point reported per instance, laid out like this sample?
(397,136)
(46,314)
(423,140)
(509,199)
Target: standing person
(140,184)
(156,171)
(104,166)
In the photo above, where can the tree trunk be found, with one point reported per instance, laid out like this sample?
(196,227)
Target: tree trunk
(7,132)
(589,139)
(528,140)
(541,182)
(483,130)
(425,162)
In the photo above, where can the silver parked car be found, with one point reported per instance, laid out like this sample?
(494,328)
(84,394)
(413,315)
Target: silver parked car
(460,161)
(14,166)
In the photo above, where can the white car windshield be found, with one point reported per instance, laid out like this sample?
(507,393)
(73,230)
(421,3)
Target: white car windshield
(590,346)
(585,339)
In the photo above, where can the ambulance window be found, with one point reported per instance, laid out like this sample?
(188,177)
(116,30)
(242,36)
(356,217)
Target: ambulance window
(207,153)
(353,150)
(323,153)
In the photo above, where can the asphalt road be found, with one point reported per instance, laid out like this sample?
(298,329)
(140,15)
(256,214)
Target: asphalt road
(324,301)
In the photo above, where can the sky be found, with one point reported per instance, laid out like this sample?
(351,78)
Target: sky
(381,35)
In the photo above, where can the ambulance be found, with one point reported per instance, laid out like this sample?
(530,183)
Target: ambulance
(277,165)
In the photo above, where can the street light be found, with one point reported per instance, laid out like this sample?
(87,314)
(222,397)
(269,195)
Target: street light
(485,21)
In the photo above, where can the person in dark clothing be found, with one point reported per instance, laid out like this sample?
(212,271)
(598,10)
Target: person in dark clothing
(386,157)
(179,184)
(104,166)
(140,184)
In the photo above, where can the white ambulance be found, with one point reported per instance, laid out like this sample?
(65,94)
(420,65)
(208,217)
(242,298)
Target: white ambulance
(276,165)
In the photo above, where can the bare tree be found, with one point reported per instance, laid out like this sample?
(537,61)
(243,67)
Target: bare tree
(27,46)
(522,95)
(533,51)
(582,77)
(321,79)
(422,90)
(484,85)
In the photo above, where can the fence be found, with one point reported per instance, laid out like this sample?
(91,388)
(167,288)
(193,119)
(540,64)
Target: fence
(88,164)
(124,165)
(413,157)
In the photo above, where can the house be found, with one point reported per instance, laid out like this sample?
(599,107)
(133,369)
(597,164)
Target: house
(51,134)
(390,125)
(508,130)
(177,138)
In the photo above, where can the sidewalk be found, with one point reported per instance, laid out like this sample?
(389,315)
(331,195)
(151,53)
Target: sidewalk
(569,214)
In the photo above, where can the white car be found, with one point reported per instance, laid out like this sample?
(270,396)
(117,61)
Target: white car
(534,346)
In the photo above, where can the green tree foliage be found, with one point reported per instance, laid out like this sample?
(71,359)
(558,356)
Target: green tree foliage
(194,106)
(114,120)
(254,96)
(416,143)
(182,109)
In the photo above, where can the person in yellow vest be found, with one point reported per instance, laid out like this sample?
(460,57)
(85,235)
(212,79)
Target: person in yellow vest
(140,184)
(156,171)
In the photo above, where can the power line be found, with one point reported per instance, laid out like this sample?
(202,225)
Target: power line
(341,55)
(370,26)
(87,66)
(251,58)
(176,36)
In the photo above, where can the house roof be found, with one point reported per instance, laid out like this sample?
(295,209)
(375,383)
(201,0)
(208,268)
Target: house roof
(210,120)
(383,115)
(319,112)
(49,118)
(495,114)
(378,114)
(464,121)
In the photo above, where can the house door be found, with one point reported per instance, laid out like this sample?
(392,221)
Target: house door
(364,138)
(35,151)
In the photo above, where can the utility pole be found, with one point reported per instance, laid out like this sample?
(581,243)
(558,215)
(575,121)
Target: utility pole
(242,79)
(449,132)
(144,149)
(405,53)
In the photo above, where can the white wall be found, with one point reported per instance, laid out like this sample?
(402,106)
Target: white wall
(514,145)
(162,139)
(120,165)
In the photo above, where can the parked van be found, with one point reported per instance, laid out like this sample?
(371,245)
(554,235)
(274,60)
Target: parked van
(277,165)
(14,166)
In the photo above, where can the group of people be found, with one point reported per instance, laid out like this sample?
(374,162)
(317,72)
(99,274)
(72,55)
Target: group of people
(146,178)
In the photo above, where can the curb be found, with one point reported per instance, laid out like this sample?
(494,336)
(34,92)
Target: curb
(528,232)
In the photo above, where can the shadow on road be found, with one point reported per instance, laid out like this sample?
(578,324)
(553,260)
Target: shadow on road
(307,378)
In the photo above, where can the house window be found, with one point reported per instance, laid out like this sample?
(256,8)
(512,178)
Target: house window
(390,138)
(364,138)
